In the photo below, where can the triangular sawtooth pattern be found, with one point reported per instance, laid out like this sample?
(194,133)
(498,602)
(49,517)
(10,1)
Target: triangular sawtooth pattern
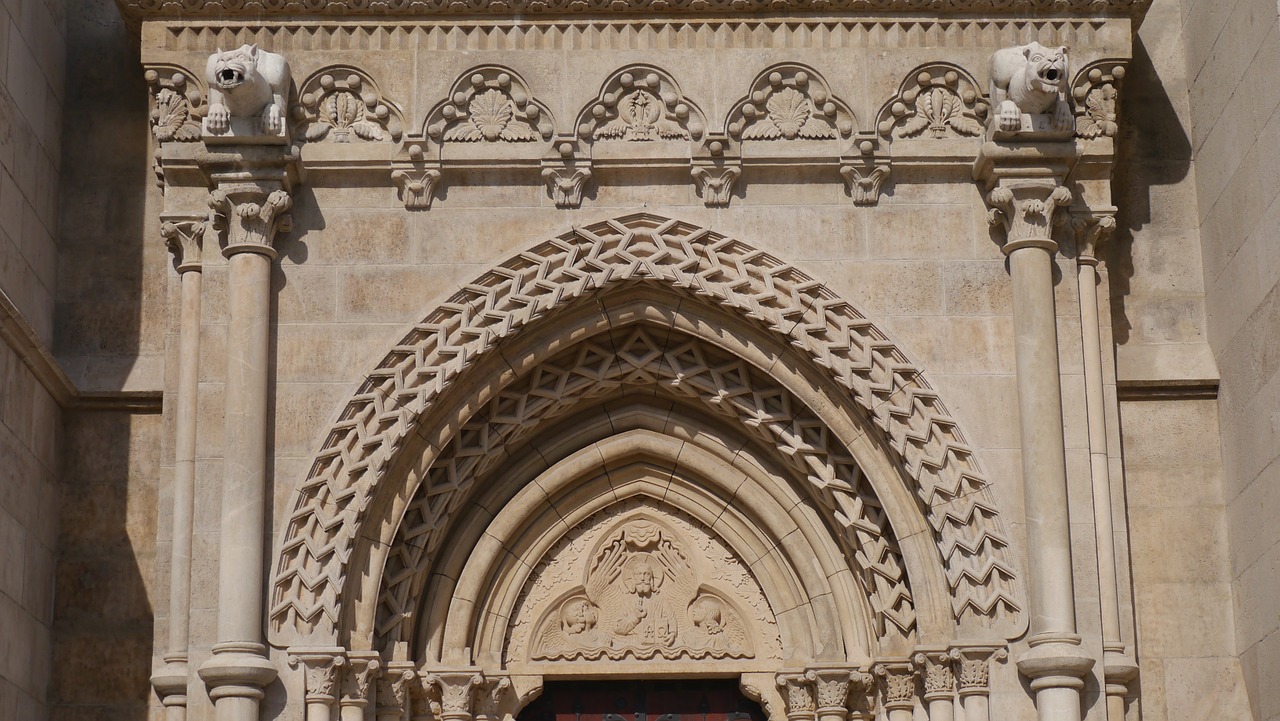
(687,368)
(328,505)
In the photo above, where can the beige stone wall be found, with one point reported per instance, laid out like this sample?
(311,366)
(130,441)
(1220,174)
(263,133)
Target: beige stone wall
(1232,51)
(32,56)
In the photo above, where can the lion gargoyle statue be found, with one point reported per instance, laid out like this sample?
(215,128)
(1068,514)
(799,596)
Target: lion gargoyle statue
(1030,79)
(247,83)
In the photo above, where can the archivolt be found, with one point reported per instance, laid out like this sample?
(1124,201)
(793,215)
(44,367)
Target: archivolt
(684,368)
(328,508)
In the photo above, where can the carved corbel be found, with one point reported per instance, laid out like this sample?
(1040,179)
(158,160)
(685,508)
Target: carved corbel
(416,179)
(897,688)
(1096,91)
(866,171)
(716,168)
(424,698)
(183,234)
(253,214)
(394,687)
(566,173)
(321,669)
(492,699)
(798,694)
(456,692)
(1026,210)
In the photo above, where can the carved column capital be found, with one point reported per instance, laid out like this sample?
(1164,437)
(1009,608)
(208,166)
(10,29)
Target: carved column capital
(455,688)
(897,684)
(832,686)
(1092,230)
(252,213)
(974,664)
(321,668)
(394,689)
(362,669)
(937,673)
(183,233)
(1025,209)
(797,693)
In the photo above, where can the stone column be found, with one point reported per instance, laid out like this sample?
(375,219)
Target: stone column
(1119,668)
(251,206)
(184,234)
(897,689)
(1025,190)
(939,683)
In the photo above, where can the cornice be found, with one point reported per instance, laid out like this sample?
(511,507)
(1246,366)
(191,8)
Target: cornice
(587,9)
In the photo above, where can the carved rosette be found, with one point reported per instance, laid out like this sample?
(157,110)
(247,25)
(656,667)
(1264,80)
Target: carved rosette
(937,101)
(253,214)
(897,685)
(936,673)
(341,104)
(1096,92)
(184,236)
(790,102)
(490,104)
(1026,210)
(798,695)
(641,103)
(177,104)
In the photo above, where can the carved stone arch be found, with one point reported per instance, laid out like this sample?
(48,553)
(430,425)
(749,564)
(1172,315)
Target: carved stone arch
(937,100)
(489,104)
(331,510)
(343,104)
(641,103)
(789,101)
(671,355)
(647,474)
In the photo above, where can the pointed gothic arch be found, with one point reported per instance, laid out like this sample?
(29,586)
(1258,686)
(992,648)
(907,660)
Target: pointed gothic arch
(346,518)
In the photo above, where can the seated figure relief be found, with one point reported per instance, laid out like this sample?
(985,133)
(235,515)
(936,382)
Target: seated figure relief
(643,597)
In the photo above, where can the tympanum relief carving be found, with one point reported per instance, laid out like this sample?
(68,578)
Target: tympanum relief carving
(634,583)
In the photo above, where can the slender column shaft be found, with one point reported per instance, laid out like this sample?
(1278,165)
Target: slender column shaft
(1043,453)
(1098,463)
(240,573)
(184,471)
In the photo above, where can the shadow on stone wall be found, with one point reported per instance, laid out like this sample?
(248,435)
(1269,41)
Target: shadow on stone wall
(1154,154)
(105,574)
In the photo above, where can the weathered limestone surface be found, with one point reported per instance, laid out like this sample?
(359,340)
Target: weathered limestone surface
(1234,130)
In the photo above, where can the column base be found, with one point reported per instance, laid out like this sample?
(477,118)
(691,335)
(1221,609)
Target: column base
(170,680)
(1056,666)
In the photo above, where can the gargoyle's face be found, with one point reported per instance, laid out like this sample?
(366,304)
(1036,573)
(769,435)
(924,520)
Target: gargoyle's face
(232,68)
(1048,68)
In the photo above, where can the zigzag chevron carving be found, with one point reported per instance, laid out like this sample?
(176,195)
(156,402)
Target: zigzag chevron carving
(328,508)
(684,367)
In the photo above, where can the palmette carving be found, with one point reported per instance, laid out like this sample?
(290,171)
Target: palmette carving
(1096,92)
(490,105)
(177,104)
(790,102)
(941,99)
(640,104)
(322,529)
(341,104)
(642,598)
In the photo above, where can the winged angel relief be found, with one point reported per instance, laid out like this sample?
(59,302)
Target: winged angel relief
(642,599)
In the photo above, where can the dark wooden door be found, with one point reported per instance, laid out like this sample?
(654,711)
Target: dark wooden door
(639,700)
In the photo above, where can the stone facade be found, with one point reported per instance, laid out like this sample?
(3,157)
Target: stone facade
(394,360)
